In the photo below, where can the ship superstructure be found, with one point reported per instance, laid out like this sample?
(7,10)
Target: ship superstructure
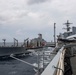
(64,61)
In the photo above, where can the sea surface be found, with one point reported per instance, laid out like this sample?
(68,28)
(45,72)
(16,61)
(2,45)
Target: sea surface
(10,66)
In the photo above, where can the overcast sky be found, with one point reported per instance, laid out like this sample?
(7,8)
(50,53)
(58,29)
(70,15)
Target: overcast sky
(27,18)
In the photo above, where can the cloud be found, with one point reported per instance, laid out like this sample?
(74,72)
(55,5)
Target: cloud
(36,1)
(33,15)
(13,15)
(11,11)
(30,17)
(64,6)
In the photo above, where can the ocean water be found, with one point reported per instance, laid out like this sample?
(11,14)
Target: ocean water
(10,66)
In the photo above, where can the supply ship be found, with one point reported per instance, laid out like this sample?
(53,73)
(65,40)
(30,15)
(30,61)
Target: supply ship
(15,48)
(6,49)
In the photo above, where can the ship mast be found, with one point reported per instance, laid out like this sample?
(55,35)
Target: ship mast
(55,33)
(67,25)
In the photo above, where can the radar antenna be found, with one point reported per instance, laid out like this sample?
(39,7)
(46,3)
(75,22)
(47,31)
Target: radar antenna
(67,25)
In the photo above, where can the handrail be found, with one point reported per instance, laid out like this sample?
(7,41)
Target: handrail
(61,63)
(56,64)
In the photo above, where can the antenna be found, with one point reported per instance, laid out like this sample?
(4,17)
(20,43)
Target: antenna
(67,25)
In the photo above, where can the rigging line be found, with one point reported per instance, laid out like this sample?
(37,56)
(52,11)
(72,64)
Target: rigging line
(22,61)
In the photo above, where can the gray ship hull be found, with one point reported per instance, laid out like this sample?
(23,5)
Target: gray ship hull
(6,51)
